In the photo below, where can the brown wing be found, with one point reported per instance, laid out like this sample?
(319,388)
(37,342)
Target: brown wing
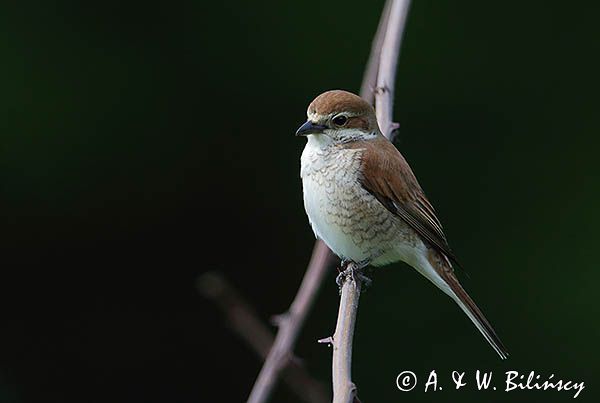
(388,177)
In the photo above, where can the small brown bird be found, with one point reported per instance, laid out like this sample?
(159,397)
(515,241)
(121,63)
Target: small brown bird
(363,200)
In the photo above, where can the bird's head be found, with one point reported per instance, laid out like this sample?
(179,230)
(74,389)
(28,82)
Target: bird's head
(337,116)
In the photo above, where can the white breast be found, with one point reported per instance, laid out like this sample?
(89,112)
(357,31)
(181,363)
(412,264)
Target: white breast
(332,196)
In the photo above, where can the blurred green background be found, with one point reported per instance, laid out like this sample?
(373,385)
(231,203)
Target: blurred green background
(142,145)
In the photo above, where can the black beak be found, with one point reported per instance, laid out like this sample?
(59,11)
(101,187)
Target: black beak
(310,128)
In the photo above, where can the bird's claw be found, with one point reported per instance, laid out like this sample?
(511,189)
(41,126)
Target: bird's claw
(343,265)
(355,271)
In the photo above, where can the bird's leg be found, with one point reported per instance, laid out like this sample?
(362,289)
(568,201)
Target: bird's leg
(344,265)
(358,273)
(355,270)
(339,280)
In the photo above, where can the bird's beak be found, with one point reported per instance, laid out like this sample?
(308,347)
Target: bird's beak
(310,128)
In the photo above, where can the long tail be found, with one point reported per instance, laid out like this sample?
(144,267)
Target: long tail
(443,277)
(474,313)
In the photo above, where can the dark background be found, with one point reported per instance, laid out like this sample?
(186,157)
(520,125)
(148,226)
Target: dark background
(142,145)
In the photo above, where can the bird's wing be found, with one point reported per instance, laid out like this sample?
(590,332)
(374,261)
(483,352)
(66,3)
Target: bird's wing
(388,177)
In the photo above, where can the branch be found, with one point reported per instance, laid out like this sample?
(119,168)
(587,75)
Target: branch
(385,48)
(290,325)
(386,78)
(243,320)
(344,390)
(369,81)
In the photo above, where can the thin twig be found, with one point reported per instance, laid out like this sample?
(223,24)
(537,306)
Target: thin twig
(290,325)
(386,79)
(246,324)
(369,81)
(344,390)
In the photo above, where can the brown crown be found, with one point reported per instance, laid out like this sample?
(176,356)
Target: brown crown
(336,101)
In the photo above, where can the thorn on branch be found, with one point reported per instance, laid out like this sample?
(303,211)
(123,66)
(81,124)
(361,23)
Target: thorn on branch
(279,320)
(380,90)
(326,340)
(394,130)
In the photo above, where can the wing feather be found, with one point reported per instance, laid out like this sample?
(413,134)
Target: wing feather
(388,177)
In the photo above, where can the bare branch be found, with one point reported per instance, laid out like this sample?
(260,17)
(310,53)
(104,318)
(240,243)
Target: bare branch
(344,390)
(378,84)
(386,79)
(291,323)
(369,82)
(246,324)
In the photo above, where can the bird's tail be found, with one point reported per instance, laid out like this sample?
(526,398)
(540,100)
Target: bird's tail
(474,313)
(439,271)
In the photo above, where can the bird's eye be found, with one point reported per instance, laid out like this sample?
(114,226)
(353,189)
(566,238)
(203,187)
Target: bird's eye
(340,120)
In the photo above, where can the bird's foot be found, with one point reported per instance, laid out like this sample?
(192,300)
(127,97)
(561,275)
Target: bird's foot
(353,271)
(343,265)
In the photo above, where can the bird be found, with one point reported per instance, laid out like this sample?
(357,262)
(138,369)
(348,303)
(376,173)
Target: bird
(363,200)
